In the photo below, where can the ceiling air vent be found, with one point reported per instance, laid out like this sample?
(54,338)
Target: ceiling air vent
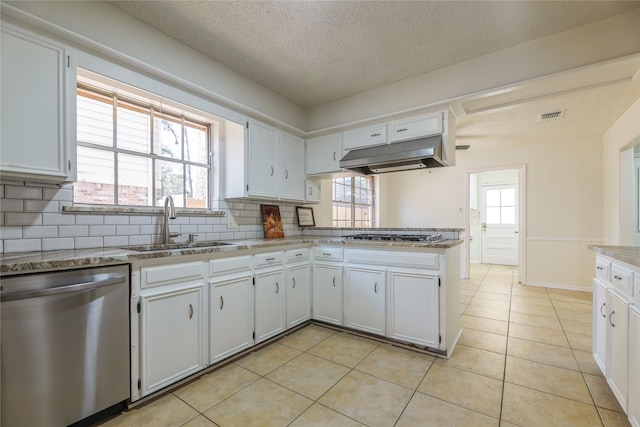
(550,116)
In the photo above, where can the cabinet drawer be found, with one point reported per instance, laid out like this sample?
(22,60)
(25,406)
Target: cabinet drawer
(365,137)
(603,269)
(392,259)
(622,279)
(166,274)
(429,124)
(297,255)
(269,259)
(229,265)
(327,254)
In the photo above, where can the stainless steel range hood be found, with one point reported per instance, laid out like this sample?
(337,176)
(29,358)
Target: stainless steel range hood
(399,156)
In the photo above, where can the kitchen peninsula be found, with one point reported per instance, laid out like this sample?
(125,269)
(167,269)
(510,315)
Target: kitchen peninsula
(200,305)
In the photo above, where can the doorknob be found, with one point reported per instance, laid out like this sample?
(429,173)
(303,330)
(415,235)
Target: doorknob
(516,231)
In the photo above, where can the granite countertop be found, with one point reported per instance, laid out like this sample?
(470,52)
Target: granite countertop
(628,254)
(31,262)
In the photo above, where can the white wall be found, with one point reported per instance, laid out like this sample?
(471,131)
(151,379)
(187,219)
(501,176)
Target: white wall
(621,137)
(563,195)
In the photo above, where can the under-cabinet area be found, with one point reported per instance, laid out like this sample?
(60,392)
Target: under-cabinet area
(198,310)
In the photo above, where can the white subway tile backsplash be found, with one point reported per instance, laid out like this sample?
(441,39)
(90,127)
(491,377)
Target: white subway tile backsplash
(22,245)
(197,220)
(73,230)
(180,220)
(127,230)
(39,232)
(219,228)
(140,240)
(58,219)
(10,232)
(150,229)
(61,194)
(186,229)
(22,192)
(102,230)
(57,244)
(226,236)
(41,206)
(89,219)
(116,219)
(88,242)
(139,220)
(205,228)
(11,205)
(13,218)
(116,241)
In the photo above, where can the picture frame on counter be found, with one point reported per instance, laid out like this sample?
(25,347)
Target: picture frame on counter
(305,217)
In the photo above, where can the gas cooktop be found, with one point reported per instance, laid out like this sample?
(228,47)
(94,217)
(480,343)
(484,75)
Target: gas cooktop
(428,238)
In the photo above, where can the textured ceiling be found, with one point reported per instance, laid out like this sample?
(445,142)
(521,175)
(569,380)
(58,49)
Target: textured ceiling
(313,52)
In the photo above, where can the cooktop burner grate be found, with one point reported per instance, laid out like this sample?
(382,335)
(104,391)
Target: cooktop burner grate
(429,238)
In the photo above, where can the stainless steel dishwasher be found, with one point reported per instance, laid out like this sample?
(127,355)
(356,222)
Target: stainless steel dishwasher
(64,346)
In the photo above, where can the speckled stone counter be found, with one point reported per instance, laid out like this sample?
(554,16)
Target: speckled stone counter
(628,254)
(33,262)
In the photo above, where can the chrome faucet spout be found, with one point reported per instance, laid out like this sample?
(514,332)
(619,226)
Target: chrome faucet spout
(169,212)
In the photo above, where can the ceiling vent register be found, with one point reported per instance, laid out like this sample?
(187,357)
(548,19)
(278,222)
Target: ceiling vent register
(551,116)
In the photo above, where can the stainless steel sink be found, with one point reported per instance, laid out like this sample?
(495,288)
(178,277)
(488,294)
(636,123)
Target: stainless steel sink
(171,246)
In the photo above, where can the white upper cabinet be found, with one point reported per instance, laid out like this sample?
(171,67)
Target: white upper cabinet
(38,116)
(365,137)
(324,154)
(312,191)
(414,127)
(269,166)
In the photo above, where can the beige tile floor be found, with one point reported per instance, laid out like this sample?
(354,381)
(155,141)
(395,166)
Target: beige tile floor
(524,359)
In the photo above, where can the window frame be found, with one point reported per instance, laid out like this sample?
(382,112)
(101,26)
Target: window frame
(148,107)
(353,205)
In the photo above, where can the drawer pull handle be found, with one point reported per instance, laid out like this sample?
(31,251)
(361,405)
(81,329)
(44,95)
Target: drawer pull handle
(221,302)
(326,253)
(298,255)
(271,170)
(610,321)
(600,268)
(334,156)
(190,311)
(286,174)
(401,130)
(375,287)
(617,277)
(602,308)
(373,135)
(294,282)
(277,287)
(270,259)
(334,281)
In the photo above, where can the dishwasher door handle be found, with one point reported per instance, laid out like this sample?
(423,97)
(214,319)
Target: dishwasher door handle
(113,280)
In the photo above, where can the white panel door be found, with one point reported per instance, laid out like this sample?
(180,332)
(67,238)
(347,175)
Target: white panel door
(500,224)
(633,401)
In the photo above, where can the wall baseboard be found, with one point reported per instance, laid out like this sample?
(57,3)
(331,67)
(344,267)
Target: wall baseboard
(558,286)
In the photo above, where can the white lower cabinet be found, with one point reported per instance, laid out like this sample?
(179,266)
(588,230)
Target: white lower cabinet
(600,322)
(413,307)
(633,401)
(298,294)
(172,334)
(618,345)
(231,315)
(269,303)
(364,303)
(327,293)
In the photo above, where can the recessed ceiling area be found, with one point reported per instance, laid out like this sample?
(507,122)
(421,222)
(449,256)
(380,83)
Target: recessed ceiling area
(317,52)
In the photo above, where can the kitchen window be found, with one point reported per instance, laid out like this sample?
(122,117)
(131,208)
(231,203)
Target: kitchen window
(132,153)
(353,204)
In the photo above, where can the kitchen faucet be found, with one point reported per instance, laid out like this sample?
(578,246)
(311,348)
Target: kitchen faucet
(169,212)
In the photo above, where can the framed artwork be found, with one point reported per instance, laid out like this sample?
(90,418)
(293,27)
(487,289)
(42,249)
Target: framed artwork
(271,222)
(305,217)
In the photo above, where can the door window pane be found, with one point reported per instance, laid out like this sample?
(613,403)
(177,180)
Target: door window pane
(508,197)
(493,215)
(508,215)
(493,197)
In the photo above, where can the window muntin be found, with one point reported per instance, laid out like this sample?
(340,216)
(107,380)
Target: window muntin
(133,154)
(353,202)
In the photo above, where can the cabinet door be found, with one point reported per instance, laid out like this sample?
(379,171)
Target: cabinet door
(327,293)
(633,406)
(261,154)
(298,294)
(364,304)
(291,167)
(172,334)
(38,119)
(312,192)
(365,137)
(618,345)
(324,154)
(269,304)
(414,127)
(231,314)
(413,308)
(600,324)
